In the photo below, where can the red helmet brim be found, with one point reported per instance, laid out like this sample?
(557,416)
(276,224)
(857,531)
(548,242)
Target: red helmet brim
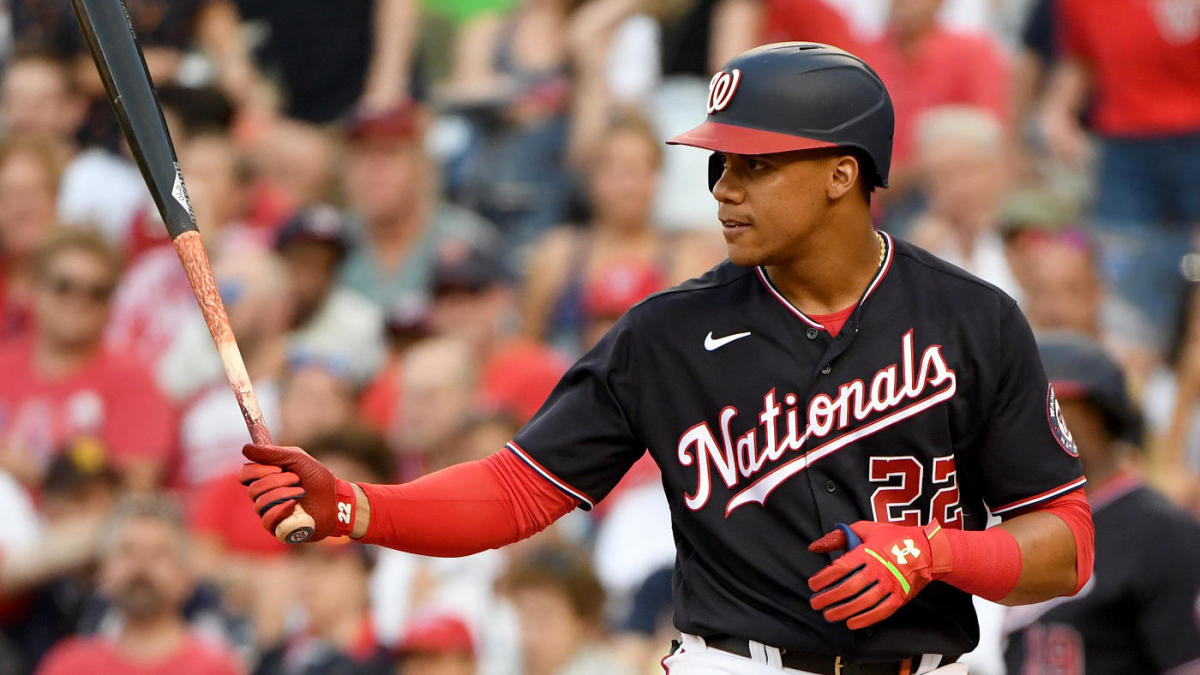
(744,140)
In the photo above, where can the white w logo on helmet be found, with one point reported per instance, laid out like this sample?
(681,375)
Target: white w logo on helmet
(721,89)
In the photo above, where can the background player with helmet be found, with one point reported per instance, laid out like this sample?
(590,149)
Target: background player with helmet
(1141,610)
(827,374)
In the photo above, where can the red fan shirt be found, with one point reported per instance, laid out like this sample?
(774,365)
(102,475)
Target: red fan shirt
(1144,61)
(98,656)
(110,397)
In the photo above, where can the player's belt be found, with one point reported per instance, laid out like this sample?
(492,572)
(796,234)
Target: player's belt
(823,664)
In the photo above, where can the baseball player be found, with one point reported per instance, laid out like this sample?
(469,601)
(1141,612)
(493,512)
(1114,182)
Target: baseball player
(1140,613)
(834,412)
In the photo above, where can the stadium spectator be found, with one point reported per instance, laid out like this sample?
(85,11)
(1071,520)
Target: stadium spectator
(337,635)
(926,65)
(964,171)
(440,384)
(647,625)
(511,84)
(1064,290)
(405,324)
(48,581)
(1172,407)
(29,177)
(145,573)
(166,31)
(1147,550)
(389,183)
(154,301)
(696,37)
(1136,64)
(612,292)
(560,607)
(99,188)
(473,301)
(622,183)
(365,57)
(437,644)
(62,383)
(480,435)
(299,162)
(808,21)
(328,320)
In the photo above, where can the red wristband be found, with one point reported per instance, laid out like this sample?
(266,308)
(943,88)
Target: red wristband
(347,508)
(986,563)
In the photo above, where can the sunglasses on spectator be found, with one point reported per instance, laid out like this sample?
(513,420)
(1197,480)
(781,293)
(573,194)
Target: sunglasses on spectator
(63,286)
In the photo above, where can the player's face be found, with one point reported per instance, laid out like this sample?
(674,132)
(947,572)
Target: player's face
(769,204)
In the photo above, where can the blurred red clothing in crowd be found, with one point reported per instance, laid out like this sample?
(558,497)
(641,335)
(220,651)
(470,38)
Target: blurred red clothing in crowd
(519,376)
(111,397)
(1144,61)
(516,380)
(810,21)
(98,656)
(941,67)
(16,318)
(220,510)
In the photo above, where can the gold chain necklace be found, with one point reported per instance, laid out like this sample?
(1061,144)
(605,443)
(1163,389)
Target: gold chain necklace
(882,249)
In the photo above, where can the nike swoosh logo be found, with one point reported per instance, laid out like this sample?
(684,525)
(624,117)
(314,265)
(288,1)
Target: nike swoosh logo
(712,344)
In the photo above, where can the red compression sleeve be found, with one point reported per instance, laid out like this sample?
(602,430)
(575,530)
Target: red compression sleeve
(1075,511)
(464,509)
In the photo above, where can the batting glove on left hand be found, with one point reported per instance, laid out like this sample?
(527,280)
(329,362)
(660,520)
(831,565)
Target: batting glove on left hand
(871,581)
(282,476)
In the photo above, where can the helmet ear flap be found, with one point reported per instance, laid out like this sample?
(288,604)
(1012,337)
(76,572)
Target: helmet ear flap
(716,167)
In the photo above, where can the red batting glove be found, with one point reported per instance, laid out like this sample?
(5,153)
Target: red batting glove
(282,476)
(873,580)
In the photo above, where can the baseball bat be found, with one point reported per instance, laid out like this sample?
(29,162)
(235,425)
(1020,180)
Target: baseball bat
(115,50)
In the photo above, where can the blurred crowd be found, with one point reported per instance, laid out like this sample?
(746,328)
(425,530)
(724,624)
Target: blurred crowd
(419,212)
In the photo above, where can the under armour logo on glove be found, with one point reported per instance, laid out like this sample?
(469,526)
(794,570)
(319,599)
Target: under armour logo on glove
(908,550)
(863,587)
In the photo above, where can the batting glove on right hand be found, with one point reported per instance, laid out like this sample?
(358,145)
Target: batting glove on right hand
(877,577)
(281,477)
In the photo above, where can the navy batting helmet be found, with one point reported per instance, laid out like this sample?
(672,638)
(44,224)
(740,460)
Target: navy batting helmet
(798,96)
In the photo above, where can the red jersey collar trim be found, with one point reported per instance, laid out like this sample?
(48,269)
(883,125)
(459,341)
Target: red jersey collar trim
(879,275)
(1113,489)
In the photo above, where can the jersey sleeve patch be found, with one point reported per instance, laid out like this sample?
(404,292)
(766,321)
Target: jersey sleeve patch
(1058,425)
(1041,497)
(586,503)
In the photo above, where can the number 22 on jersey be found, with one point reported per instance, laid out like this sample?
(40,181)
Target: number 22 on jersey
(898,498)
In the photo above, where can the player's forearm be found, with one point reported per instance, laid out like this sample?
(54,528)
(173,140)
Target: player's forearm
(1047,558)
(1029,558)
(1057,546)
(461,510)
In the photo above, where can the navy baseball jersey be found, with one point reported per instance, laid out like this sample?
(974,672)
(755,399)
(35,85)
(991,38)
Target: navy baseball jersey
(1140,611)
(931,402)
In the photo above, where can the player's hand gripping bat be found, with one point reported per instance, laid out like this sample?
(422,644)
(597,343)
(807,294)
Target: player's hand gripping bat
(122,67)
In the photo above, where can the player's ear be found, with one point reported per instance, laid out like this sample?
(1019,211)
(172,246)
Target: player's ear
(843,176)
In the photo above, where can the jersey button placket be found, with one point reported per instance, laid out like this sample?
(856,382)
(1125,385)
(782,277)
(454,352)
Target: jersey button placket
(830,486)
(811,333)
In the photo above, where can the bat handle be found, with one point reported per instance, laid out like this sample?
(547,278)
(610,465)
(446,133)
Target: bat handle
(299,526)
(296,528)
